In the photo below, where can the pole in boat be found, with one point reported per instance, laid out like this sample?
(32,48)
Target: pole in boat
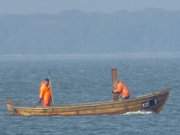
(52,95)
(114,79)
(50,84)
(114,75)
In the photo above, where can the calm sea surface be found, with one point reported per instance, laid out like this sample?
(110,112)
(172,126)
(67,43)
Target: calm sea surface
(85,80)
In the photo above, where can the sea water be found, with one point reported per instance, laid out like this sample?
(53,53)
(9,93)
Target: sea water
(86,80)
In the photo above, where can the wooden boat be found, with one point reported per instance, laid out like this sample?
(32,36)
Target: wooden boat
(151,102)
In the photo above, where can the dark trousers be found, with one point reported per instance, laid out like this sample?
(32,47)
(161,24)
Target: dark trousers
(117,97)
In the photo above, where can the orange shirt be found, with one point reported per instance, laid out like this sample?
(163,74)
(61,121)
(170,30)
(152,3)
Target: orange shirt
(122,89)
(45,95)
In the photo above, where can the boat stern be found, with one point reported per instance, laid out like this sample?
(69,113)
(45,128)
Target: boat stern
(10,106)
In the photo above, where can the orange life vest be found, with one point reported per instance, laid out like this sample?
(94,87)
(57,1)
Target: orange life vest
(122,89)
(45,95)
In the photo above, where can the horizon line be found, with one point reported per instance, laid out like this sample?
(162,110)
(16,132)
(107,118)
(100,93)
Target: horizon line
(93,12)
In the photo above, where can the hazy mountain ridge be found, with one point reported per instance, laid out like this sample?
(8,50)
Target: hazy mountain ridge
(78,32)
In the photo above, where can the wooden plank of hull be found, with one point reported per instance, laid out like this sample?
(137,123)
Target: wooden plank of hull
(98,108)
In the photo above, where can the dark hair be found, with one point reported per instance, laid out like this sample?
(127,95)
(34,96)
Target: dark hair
(46,79)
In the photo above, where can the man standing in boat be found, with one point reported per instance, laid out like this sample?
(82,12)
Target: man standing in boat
(120,90)
(45,93)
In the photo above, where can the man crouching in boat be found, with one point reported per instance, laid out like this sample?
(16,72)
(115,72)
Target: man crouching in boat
(120,90)
(45,93)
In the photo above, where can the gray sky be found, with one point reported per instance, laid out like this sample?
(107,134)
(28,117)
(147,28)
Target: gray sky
(55,6)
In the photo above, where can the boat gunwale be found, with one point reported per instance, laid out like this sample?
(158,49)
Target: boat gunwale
(96,104)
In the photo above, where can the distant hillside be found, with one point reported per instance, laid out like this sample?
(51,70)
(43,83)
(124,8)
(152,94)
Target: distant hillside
(78,32)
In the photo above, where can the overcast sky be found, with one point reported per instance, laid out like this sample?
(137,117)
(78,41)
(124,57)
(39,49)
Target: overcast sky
(56,6)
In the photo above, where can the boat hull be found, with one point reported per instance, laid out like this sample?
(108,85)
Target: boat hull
(152,102)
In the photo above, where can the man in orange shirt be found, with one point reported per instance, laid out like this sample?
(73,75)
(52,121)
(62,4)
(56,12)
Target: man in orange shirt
(45,95)
(120,89)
